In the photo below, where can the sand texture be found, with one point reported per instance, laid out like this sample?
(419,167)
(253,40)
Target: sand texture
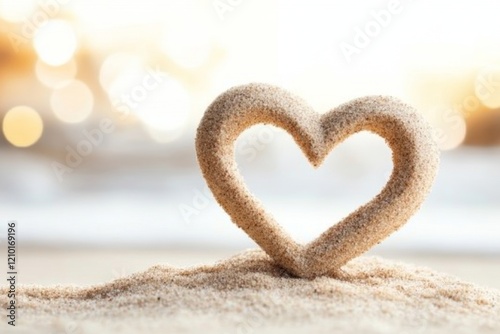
(415,159)
(250,293)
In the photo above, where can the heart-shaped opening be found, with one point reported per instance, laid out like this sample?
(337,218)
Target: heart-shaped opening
(306,200)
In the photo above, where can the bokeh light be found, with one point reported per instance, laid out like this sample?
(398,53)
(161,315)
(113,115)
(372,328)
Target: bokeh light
(159,101)
(73,102)
(55,76)
(55,42)
(120,72)
(166,109)
(449,126)
(22,126)
(487,86)
(455,135)
(16,10)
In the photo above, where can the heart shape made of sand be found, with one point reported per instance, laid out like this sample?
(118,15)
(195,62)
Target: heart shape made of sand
(415,161)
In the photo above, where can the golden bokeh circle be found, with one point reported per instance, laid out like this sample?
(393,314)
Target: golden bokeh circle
(22,126)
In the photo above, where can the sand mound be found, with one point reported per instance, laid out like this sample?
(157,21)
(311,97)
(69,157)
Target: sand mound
(249,293)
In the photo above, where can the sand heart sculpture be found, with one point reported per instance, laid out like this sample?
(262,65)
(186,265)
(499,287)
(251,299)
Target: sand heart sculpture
(415,160)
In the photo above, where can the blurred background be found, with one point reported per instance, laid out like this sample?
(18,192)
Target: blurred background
(100,100)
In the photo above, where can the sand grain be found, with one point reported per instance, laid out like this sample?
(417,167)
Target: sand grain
(250,293)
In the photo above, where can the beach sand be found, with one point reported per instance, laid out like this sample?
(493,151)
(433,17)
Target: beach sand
(249,293)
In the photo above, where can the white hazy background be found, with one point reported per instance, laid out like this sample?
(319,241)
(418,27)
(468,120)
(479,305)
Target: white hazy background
(140,185)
